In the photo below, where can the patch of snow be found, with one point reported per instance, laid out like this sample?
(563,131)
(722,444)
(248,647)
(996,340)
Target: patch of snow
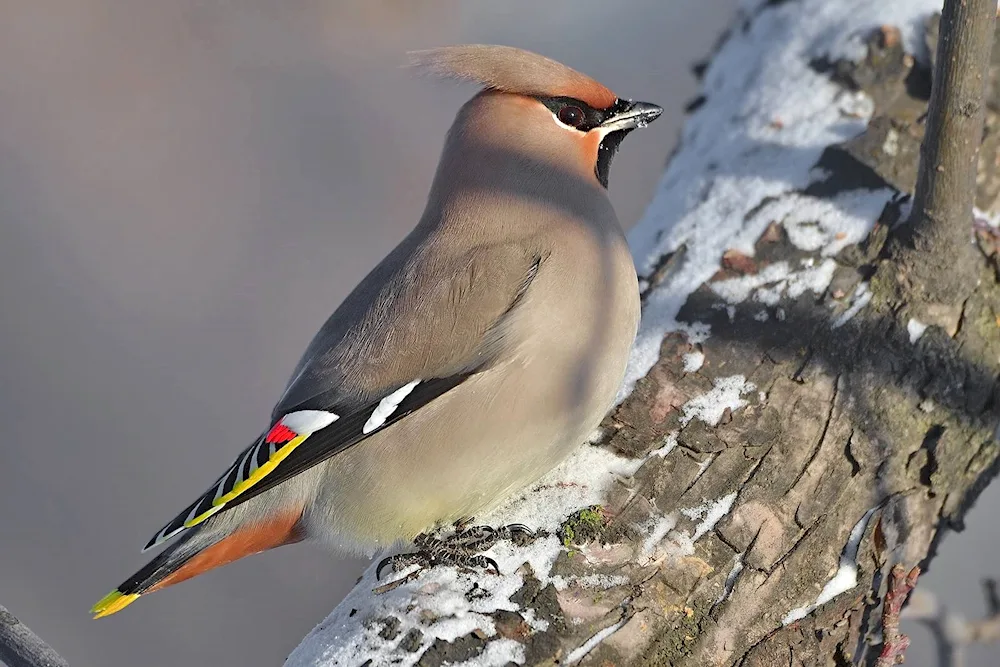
(710,407)
(578,654)
(774,281)
(703,466)
(669,443)
(862,295)
(737,290)
(536,624)
(814,279)
(663,541)
(733,160)
(916,329)
(595,581)
(442,593)
(350,635)
(498,653)
(827,225)
(580,481)
(693,361)
(991,219)
(846,576)
(734,573)
(656,530)
(712,512)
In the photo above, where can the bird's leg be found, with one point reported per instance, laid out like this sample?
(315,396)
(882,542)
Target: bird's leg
(461,548)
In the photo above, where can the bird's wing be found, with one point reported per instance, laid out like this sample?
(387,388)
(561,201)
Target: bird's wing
(434,333)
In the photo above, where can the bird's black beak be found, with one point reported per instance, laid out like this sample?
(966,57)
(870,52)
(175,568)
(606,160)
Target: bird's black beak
(628,115)
(619,120)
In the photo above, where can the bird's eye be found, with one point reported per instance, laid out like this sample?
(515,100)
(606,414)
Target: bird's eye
(572,116)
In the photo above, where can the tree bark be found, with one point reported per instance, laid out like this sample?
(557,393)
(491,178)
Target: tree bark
(20,647)
(936,256)
(818,437)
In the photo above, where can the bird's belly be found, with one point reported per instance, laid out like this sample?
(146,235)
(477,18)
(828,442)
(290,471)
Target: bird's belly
(433,468)
(491,436)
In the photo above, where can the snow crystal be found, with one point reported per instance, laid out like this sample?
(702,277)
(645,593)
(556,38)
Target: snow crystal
(693,361)
(862,295)
(776,280)
(827,225)
(712,513)
(664,540)
(655,530)
(669,443)
(578,654)
(916,329)
(596,581)
(580,481)
(711,406)
(734,573)
(846,577)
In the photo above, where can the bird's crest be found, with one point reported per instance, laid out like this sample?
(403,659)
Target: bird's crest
(512,70)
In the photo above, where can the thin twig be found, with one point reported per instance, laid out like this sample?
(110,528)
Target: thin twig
(894,642)
(20,647)
(934,251)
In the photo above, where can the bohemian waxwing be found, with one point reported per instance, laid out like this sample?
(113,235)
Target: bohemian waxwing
(472,360)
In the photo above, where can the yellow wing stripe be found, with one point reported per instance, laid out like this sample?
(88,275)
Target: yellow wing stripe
(257,475)
(112,603)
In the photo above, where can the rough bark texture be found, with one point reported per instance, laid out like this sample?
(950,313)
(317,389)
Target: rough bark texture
(848,427)
(935,257)
(847,419)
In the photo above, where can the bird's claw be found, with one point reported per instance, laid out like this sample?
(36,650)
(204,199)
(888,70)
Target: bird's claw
(463,548)
(400,562)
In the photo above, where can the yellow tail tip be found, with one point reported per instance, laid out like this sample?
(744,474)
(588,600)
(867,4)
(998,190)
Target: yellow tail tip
(111,603)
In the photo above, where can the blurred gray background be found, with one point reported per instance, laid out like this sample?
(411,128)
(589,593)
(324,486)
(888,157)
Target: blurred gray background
(187,189)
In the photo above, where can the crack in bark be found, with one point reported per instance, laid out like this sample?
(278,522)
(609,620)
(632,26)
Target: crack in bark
(822,436)
(806,532)
(855,466)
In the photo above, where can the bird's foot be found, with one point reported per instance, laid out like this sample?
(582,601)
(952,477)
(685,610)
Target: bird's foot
(462,548)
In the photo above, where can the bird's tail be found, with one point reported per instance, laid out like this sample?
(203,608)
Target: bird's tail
(198,551)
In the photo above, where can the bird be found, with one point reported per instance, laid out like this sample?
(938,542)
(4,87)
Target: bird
(471,360)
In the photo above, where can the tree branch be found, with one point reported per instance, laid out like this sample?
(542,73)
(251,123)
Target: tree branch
(20,647)
(937,256)
(895,643)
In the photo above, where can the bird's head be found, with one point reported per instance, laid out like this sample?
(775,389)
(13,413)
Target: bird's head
(538,107)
